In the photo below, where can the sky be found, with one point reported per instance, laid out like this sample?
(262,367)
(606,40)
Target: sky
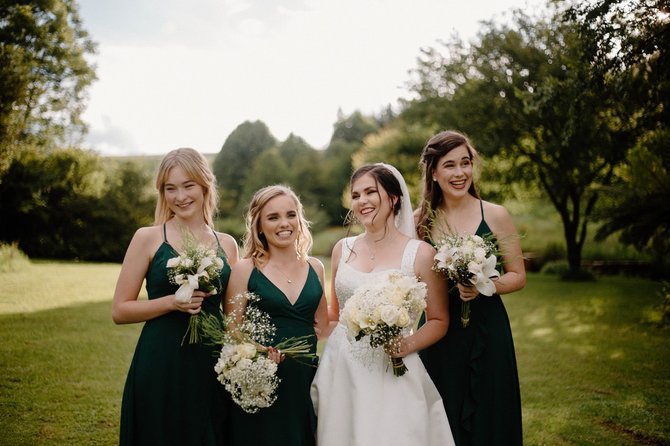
(179,73)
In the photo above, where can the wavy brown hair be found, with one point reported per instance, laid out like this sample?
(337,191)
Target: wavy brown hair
(432,198)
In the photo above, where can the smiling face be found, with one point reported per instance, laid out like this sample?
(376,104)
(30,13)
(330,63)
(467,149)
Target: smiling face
(453,172)
(184,196)
(370,203)
(280,222)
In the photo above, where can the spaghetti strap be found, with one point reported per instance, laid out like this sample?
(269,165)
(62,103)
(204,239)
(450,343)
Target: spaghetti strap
(481,206)
(164,234)
(217,238)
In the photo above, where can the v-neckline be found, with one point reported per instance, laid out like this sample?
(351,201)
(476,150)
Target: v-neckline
(302,289)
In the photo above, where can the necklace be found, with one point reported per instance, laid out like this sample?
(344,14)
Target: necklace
(372,253)
(288,279)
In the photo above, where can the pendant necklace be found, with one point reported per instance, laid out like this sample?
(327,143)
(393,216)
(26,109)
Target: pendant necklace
(288,279)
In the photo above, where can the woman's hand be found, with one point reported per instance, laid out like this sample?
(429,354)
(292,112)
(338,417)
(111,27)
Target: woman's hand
(195,305)
(467,292)
(399,347)
(275,354)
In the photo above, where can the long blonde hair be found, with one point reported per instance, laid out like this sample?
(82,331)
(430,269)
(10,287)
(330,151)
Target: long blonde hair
(255,245)
(197,168)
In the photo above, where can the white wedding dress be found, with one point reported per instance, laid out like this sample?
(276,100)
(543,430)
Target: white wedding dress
(358,400)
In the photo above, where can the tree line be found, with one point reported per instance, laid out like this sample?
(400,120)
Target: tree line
(571,102)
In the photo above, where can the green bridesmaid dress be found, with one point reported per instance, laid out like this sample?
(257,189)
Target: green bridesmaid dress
(290,420)
(172,396)
(474,369)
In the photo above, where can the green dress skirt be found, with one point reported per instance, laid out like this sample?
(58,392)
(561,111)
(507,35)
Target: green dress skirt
(474,369)
(172,396)
(290,420)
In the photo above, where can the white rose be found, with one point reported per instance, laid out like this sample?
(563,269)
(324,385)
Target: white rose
(389,314)
(173,262)
(246,350)
(480,254)
(403,318)
(186,262)
(244,363)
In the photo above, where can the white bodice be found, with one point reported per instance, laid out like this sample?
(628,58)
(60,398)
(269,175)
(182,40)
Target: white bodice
(349,278)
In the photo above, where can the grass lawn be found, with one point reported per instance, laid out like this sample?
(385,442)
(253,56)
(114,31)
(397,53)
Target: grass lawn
(594,370)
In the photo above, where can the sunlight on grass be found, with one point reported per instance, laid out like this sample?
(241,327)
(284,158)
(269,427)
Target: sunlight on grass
(48,285)
(594,368)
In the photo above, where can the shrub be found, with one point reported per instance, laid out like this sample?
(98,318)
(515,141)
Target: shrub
(12,258)
(557,267)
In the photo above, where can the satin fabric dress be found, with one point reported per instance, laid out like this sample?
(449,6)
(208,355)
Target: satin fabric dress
(171,395)
(358,400)
(475,371)
(290,420)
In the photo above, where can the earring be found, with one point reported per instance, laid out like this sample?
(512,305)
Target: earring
(434,180)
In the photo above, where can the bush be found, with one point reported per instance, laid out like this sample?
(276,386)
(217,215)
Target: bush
(12,258)
(556,267)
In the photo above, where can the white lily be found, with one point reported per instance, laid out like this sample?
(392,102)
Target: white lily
(482,273)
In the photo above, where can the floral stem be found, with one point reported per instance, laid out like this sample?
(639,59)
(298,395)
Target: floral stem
(465,314)
(192,332)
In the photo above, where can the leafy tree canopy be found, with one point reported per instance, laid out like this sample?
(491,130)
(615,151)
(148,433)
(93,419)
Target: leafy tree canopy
(44,74)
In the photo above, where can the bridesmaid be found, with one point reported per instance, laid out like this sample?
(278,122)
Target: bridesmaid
(474,368)
(277,268)
(172,396)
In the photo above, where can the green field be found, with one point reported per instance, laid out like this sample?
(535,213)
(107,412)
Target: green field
(594,368)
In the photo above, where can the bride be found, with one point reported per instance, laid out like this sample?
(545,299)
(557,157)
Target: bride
(357,398)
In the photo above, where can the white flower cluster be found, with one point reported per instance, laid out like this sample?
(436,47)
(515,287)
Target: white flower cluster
(381,309)
(248,375)
(390,302)
(197,268)
(469,260)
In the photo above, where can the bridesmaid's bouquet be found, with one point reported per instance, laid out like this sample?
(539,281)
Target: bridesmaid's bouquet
(197,268)
(243,367)
(468,260)
(380,310)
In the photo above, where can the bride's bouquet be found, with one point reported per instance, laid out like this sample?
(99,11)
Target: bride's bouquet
(197,268)
(468,260)
(378,312)
(243,367)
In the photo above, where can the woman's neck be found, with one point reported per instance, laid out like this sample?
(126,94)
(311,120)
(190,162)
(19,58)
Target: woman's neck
(282,255)
(451,204)
(195,227)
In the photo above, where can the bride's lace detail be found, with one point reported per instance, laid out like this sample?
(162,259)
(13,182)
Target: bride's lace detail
(349,278)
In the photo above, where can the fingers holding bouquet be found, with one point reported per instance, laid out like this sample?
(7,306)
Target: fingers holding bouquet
(275,354)
(467,292)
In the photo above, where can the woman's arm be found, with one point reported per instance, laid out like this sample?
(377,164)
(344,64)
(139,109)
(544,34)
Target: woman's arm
(437,308)
(322,323)
(237,284)
(514,276)
(334,305)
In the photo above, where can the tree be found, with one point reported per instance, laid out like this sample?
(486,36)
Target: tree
(64,204)
(629,43)
(44,74)
(231,165)
(527,91)
(399,144)
(353,128)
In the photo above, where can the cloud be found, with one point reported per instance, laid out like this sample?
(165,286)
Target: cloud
(111,139)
